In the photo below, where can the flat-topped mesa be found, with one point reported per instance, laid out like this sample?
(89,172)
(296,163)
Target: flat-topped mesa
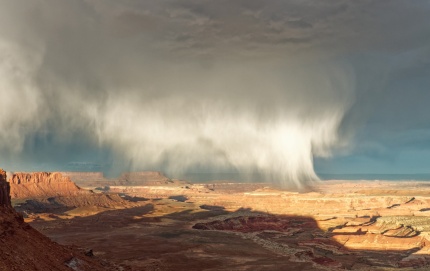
(87,179)
(4,190)
(80,175)
(143,178)
(41,184)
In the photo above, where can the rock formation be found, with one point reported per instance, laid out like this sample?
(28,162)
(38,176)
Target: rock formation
(41,184)
(143,178)
(62,203)
(4,190)
(87,179)
(23,248)
(140,178)
(79,175)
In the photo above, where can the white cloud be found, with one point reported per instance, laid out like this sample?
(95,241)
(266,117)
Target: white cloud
(256,85)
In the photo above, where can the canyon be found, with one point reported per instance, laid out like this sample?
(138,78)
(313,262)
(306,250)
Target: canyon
(147,221)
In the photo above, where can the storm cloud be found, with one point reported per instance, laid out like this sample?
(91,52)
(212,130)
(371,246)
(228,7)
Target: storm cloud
(252,86)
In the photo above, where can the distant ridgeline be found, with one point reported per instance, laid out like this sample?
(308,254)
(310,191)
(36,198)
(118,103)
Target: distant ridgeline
(80,175)
(370,176)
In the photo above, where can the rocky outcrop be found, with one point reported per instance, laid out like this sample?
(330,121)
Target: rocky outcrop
(4,190)
(41,184)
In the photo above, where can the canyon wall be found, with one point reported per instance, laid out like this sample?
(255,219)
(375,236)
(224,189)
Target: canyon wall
(4,190)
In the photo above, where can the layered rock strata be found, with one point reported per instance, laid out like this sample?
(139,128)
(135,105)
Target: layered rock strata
(42,184)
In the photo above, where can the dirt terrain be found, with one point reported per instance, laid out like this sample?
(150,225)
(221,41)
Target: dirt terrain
(360,225)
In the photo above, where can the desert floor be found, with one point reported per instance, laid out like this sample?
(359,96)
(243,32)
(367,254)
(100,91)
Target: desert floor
(352,225)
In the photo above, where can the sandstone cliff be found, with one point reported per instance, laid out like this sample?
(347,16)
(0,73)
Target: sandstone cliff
(4,190)
(41,184)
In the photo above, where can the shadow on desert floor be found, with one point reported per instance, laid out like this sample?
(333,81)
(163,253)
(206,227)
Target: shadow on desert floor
(173,234)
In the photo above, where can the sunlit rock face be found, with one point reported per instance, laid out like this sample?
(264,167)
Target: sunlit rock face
(41,184)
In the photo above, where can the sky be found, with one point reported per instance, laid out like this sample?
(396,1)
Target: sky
(287,89)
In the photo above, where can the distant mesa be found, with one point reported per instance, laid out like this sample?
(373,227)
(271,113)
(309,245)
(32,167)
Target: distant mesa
(42,184)
(139,178)
(83,175)
(84,166)
(51,192)
(143,178)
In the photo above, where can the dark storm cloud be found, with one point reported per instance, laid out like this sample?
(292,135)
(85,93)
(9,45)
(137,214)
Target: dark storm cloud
(250,84)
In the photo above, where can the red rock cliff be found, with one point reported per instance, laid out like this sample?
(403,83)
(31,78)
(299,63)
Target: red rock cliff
(41,184)
(4,190)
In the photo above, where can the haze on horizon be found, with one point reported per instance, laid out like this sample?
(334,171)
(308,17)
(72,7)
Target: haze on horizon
(282,88)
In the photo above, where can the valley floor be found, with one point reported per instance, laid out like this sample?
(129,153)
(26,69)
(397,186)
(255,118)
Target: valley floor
(355,225)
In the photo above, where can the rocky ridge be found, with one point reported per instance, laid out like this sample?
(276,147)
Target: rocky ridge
(139,178)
